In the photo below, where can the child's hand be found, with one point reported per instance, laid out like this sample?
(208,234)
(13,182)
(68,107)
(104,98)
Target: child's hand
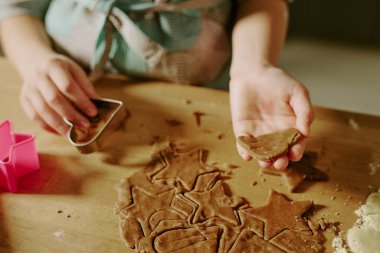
(55,88)
(266,101)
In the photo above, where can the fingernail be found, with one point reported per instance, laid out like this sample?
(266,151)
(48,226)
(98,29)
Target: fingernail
(91,111)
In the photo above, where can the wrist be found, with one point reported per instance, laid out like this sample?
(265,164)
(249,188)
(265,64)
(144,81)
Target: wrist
(253,68)
(32,62)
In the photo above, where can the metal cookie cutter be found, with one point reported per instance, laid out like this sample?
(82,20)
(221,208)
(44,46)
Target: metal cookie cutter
(18,156)
(111,116)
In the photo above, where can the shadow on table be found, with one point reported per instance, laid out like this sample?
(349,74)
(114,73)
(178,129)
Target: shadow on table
(5,245)
(149,125)
(57,175)
(347,152)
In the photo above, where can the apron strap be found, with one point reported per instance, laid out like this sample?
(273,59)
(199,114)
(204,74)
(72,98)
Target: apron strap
(117,20)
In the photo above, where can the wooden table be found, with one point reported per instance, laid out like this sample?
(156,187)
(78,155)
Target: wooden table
(69,205)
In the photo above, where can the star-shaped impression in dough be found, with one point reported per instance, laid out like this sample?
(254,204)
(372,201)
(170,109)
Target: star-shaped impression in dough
(183,167)
(280,213)
(145,205)
(141,181)
(214,202)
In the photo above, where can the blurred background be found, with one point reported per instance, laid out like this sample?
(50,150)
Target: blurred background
(333,47)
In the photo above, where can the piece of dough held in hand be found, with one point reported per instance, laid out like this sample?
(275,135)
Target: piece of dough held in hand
(270,146)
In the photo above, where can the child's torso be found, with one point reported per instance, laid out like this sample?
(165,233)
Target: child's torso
(183,41)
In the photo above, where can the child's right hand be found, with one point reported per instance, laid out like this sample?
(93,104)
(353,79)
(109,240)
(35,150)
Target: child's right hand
(57,87)
(269,100)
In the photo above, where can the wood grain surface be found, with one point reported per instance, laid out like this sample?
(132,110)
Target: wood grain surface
(68,206)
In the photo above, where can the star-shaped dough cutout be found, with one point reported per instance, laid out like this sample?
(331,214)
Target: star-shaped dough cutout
(280,213)
(297,172)
(183,168)
(248,221)
(214,202)
(270,146)
(145,205)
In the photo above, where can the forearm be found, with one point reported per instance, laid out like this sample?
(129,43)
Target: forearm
(258,34)
(24,41)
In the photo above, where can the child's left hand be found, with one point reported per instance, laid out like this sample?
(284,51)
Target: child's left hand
(269,100)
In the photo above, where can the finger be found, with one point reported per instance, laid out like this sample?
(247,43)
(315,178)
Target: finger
(265,164)
(239,132)
(33,115)
(83,81)
(301,104)
(243,153)
(61,105)
(48,115)
(62,78)
(296,151)
(281,163)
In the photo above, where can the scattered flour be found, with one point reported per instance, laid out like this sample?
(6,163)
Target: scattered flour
(339,245)
(364,237)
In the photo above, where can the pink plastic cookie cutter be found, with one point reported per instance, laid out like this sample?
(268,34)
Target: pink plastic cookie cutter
(18,156)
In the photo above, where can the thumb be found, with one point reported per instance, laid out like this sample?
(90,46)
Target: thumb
(242,129)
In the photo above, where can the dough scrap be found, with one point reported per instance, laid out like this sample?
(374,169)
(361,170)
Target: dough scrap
(270,146)
(297,172)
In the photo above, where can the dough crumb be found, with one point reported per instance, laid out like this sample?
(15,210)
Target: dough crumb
(59,233)
(373,168)
(198,116)
(221,136)
(354,125)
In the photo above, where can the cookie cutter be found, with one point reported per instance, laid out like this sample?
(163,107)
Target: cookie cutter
(18,156)
(113,116)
